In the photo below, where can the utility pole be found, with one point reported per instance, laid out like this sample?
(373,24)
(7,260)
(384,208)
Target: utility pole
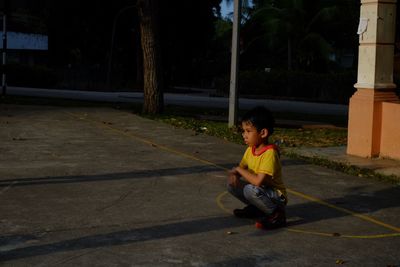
(233,89)
(4,52)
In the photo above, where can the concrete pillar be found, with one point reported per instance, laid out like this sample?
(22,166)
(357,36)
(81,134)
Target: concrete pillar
(375,77)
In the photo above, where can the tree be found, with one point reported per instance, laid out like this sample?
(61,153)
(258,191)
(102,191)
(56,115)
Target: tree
(296,23)
(153,80)
(187,29)
(80,50)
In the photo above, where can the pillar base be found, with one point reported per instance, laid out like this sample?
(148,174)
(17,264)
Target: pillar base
(365,121)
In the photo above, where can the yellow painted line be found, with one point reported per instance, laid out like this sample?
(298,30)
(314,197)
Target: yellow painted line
(372,236)
(343,236)
(219,202)
(146,141)
(358,215)
(220,196)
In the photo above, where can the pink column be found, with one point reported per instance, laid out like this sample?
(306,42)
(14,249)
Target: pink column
(368,117)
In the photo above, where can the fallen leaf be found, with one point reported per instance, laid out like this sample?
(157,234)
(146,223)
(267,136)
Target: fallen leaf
(339,261)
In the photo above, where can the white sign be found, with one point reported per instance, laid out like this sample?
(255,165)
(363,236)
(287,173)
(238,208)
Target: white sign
(26,41)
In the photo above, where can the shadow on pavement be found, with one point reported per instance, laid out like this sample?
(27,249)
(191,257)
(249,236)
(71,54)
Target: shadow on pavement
(110,176)
(358,203)
(125,237)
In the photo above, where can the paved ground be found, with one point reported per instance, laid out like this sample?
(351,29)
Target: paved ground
(103,187)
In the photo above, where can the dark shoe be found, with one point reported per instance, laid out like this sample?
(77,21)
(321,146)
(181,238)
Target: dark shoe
(276,220)
(249,211)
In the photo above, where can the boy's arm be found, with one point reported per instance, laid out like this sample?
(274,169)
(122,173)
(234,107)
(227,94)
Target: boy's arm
(255,179)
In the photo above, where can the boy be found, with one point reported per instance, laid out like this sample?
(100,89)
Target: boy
(257,181)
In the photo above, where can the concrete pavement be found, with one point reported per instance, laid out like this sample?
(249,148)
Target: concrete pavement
(103,187)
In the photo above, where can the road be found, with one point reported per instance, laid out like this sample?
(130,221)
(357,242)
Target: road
(186,100)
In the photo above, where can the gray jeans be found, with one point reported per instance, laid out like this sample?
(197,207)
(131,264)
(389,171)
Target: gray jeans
(264,198)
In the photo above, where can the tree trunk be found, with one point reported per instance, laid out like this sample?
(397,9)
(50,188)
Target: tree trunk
(153,80)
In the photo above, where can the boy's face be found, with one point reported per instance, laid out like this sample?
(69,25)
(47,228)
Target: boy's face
(251,136)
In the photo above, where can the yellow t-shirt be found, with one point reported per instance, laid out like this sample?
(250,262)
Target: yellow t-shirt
(268,162)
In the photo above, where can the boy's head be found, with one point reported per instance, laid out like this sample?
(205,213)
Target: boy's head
(261,118)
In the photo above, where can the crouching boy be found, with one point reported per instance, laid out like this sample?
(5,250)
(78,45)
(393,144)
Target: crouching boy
(257,181)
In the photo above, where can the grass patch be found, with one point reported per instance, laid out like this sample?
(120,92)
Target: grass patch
(318,137)
(214,128)
(286,137)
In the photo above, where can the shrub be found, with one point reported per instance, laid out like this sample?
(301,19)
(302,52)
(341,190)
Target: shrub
(329,87)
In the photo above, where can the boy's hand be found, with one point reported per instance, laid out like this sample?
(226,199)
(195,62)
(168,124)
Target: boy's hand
(233,177)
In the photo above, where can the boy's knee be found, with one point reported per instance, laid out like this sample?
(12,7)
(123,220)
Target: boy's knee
(250,192)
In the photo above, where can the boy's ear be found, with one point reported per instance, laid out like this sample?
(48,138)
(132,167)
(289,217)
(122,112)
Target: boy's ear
(264,133)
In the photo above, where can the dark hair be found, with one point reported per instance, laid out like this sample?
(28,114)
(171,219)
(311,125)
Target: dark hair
(261,118)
